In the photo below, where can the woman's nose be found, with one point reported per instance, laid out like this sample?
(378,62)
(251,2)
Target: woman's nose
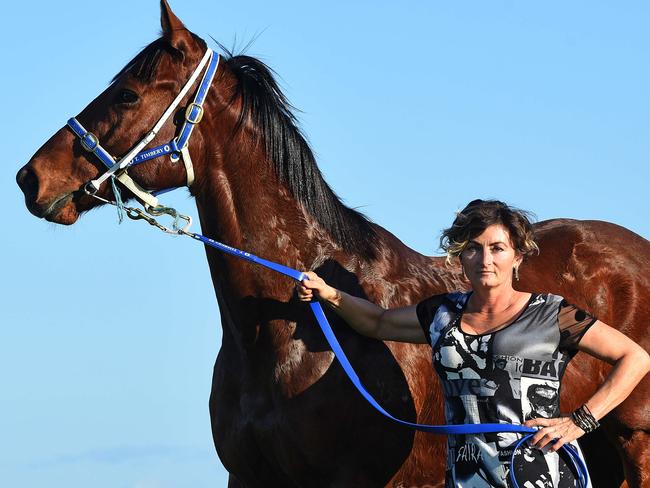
(487,256)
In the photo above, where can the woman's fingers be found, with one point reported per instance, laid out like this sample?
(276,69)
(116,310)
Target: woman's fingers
(304,293)
(554,433)
(306,287)
(542,423)
(545,434)
(552,440)
(314,286)
(559,443)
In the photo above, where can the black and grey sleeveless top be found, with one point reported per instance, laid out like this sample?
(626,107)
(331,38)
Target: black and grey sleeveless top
(507,376)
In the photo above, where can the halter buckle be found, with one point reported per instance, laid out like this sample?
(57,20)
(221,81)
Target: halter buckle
(90,188)
(199,114)
(89,141)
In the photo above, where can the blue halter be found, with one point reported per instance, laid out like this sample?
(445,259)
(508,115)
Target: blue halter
(176,148)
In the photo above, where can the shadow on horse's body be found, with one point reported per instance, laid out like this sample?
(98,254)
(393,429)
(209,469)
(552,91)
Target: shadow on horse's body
(283,413)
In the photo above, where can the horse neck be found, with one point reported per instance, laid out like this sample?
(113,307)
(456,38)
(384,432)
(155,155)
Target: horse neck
(241,200)
(242,203)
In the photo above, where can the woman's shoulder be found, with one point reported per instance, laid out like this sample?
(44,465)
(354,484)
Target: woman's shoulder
(546,298)
(427,308)
(453,299)
(571,320)
(437,311)
(458,298)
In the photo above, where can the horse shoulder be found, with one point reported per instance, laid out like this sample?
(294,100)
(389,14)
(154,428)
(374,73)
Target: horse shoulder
(401,276)
(599,266)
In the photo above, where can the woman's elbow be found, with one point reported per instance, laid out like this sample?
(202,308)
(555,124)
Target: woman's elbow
(644,360)
(378,327)
(640,358)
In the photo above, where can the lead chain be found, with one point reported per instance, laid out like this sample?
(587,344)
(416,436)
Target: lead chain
(150,213)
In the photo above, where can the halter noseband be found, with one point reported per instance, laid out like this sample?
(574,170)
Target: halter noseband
(177,148)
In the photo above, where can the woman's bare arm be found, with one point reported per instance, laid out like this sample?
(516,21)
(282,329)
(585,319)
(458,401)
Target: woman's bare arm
(631,363)
(400,324)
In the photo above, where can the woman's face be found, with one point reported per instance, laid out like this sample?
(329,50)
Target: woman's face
(488,259)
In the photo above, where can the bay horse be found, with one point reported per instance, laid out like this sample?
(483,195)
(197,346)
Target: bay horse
(282,412)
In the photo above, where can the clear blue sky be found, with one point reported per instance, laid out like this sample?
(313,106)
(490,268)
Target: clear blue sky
(413,109)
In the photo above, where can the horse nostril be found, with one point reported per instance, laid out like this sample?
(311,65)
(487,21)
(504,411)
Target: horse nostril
(28,183)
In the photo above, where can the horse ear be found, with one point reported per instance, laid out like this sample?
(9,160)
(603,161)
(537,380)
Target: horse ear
(172,27)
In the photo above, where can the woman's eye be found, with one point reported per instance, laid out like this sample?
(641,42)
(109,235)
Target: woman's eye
(127,96)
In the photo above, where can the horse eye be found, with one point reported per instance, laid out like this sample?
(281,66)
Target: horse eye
(127,96)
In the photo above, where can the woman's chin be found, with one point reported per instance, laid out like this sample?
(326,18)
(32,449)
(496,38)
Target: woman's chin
(486,282)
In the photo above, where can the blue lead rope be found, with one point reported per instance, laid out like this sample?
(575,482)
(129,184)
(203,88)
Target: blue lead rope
(456,429)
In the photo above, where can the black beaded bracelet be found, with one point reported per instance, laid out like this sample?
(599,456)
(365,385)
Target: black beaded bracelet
(587,418)
(583,418)
(579,422)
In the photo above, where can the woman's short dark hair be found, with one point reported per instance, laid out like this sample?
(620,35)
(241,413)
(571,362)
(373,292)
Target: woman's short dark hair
(477,216)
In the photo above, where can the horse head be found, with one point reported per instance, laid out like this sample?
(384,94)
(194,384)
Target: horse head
(53,180)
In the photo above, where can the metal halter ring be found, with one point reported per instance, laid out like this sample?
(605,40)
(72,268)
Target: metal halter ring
(188,113)
(89,141)
(90,188)
(175,155)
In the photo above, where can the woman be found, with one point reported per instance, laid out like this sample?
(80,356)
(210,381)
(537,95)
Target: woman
(500,353)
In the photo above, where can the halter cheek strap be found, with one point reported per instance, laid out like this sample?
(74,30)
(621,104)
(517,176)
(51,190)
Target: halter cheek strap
(91,144)
(177,148)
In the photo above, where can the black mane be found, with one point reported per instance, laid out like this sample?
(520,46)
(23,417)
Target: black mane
(268,109)
(143,65)
(294,163)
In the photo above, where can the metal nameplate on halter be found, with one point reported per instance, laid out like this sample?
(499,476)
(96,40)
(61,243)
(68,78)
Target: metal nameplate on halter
(188,113)
(89,141)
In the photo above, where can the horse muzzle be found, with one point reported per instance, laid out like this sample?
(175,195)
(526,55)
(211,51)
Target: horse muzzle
(59,208)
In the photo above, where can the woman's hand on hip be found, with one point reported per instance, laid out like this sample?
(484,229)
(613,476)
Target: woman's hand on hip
(554,433)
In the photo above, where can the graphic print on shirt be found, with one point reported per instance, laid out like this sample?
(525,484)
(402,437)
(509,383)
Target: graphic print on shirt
(540,398)
(509,376)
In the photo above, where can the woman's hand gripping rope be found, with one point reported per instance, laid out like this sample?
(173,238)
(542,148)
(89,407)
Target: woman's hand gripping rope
(314,287)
